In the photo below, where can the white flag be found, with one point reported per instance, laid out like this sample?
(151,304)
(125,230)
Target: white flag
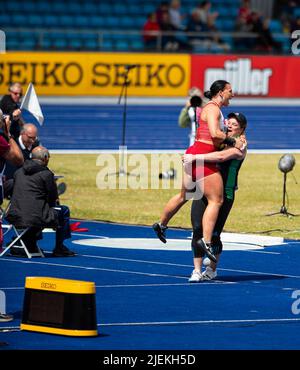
(30,102)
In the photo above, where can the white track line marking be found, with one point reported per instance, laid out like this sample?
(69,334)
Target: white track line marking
(98,269)
(260,252)
(164,323)
(139,261)
(142,273)
(91,235)
(190,266)
(211,282)
(201,322)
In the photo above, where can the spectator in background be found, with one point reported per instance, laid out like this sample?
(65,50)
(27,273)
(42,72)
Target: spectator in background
(244,25)
(150,32)
(194,24)
(284,9)
(10,104)
(201,16)
(245,12)
(170,42)
(161,10)
(175,15)
(265,40)
(205,15)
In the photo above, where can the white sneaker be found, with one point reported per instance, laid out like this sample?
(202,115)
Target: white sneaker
(196,277)
(209,274)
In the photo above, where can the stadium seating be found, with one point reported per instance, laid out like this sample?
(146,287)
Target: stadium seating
(93,24)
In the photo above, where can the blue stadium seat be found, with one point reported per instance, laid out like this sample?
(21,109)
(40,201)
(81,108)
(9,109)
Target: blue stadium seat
(119,9)
(107,45)
(297,12)
(128,23)
(12,44)
(148,8)
(46,43)
(89,8)
(28,6)
(60,44)
(81,21)
(51,20)
(112,22)
(18,19)
(275,26)
(66,21)
(43,7)
(137,45)
(97,21)
(74,8)
(75,44)
(228,25)
(35,20)
(91,44)
(121,45)
(105,9)
(5,20)
(11,6)
(28,44)
(134,9)
(285,43)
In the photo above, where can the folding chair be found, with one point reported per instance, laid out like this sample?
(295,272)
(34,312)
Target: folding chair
(19,232)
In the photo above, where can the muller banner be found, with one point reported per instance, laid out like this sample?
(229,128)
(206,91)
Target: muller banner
(250,76)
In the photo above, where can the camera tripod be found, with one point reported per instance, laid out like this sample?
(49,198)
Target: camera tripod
(283,209)
(122,147)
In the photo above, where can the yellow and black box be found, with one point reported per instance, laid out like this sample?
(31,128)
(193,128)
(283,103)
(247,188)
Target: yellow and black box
(59,306)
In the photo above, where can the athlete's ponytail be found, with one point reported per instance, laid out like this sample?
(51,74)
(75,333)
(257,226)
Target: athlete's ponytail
(215,88)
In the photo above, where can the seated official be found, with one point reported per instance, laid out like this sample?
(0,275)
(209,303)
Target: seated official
(27,141)
(35,204)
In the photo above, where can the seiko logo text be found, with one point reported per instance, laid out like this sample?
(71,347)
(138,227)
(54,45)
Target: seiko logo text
(48,286)
(102,74)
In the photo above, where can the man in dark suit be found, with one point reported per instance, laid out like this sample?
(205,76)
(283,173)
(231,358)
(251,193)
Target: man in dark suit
(35,204)
(27,141)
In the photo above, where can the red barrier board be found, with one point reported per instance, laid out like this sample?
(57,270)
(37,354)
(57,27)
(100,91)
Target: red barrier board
(250,76)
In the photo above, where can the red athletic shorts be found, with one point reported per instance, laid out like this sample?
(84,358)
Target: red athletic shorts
(209,168)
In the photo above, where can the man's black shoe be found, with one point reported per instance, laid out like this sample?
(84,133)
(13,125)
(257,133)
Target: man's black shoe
(206,249)
(17,252)
(62,251)
(160,231)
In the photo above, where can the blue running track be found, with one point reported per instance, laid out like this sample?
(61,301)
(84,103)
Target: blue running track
(98,127)
(144,300)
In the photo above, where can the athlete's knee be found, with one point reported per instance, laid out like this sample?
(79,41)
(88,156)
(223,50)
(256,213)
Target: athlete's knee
(217,202)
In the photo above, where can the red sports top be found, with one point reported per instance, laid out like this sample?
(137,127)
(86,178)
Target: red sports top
(202,129)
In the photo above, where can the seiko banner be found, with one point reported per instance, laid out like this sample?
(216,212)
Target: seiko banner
(97,73)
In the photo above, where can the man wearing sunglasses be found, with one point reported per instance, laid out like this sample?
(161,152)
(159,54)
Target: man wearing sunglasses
(10,105)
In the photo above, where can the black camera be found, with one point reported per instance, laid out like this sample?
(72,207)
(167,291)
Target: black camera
(195,101)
